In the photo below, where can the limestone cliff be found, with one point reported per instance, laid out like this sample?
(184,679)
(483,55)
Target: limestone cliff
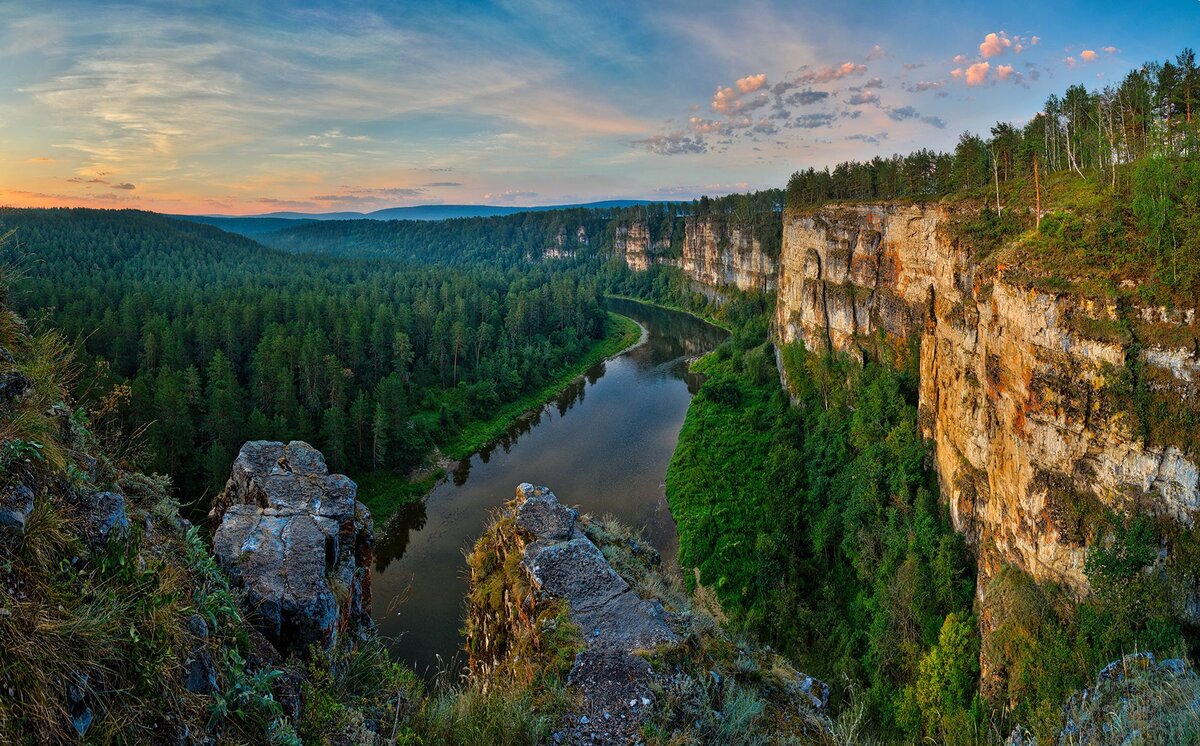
(633,244)
(716,253)
(1031,437)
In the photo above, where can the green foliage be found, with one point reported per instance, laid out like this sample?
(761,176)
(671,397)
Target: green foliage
(818,526)
(1044,645)
(947,683)
(213,339)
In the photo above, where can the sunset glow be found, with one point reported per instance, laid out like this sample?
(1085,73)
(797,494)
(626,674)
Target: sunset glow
(237,108)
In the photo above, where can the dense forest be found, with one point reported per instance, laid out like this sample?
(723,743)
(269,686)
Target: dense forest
(193,340)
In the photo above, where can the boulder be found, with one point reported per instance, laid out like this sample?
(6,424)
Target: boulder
(16,505)
(104,519)
(13,383)
(297,540)
(199,673)
(542,515)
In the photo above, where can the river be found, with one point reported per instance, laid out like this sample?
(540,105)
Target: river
(603,445)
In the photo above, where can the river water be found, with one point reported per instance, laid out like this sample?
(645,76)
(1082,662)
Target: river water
(602,445)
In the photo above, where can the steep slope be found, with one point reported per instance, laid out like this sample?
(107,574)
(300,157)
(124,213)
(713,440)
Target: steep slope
(1027,403)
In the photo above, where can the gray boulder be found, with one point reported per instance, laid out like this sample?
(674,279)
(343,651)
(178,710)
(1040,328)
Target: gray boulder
(13,383)
(16,505)
(299,543)
(104,519)
(542,515)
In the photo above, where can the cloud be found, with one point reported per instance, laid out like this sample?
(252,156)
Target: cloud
(862,98)
(807,97)
(926,85)
(977,74)
(508,195)
(274,202)
(913,65)
(994,44)
(1088,55)
(728,101)
(41,159)
(1110,50)
(907,112)
(751,83)
(672,143)
(875,139)
(438,184)
(812,121)
(1033,40)
(960,59)
(124,185)
(875,82)
(876,53)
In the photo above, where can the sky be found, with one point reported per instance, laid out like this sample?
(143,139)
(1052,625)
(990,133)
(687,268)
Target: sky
(253,107)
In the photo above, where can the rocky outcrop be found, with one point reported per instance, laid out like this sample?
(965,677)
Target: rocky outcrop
(716,254)
(633,244)
(1135,700)
(1030,439)
(722,254)
(560,594)
(299,543)
(613,682)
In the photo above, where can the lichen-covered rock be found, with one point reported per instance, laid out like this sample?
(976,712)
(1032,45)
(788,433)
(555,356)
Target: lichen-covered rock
(199,673)
(16,505)
(299,543)
(541,514)
(616,623)
(104,519)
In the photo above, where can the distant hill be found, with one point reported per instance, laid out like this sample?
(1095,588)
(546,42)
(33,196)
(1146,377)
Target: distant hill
(251,227)
(258,225)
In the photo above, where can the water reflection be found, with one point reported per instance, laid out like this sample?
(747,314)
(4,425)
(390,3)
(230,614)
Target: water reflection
(602,444)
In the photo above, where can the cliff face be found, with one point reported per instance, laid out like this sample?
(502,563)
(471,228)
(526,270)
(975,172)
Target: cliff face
(632,242)
(719,256)
(1031,437)
(716,254)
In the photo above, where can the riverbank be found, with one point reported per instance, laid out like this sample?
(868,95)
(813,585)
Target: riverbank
(384,492)
(671,307)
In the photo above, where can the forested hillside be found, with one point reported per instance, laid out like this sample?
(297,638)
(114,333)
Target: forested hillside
(194,340)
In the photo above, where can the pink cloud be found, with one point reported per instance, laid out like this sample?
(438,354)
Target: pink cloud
(1111,50)
(956,73)
(1033,40)
(1069,61)
(960,59)
(994,44)
(725,100)
(876,53)
(1088,55)
(826,74)
(752,83)
(861,98)
(977,73)
(1004,71)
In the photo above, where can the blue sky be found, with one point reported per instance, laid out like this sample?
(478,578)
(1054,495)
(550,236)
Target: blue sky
(251,107)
